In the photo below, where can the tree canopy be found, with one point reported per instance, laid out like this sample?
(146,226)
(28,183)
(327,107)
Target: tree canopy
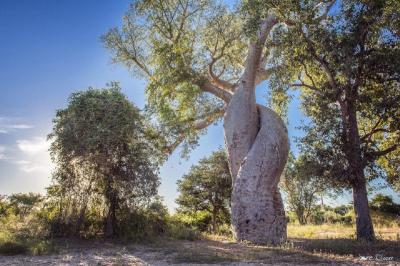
(303,186)
(192,53)
(207,187)
(102,153)
(345,58)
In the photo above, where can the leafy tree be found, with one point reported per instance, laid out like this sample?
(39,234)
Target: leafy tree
(385,203)
(22,203)
(302,186)
(103,156)
(345,58)
(202,61)
(207,187)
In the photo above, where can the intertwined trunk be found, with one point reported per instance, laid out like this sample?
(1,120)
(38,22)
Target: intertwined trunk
(257,144)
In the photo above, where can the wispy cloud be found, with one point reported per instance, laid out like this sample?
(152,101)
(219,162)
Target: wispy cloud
(19,126)
(8,124)
(2,150)
(33,146)
(29,167)
(35,156)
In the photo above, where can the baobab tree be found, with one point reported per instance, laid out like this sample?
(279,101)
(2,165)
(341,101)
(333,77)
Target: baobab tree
(202,64)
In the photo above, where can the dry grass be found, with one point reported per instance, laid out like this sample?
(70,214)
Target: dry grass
(334,231)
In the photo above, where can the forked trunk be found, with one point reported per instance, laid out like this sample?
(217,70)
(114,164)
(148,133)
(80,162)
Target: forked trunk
(257,144)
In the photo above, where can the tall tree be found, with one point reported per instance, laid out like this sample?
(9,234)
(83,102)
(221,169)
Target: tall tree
(100,146)
(202,64)
(346,60)
(207,187)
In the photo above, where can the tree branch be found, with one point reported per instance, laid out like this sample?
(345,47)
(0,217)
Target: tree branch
(324,64)
(254,55)
(207,86)
(198,124)
(215,80)
(302,84)
(375,154)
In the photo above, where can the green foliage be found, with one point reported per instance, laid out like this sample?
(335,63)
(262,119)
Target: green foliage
(105,160)
(385,204)
(345,59)
(146,223)
(177,46)
(22,203)
(206,189)
(180,230)
(302,186)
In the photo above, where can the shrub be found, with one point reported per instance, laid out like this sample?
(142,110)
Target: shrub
(225,230)
(178,230)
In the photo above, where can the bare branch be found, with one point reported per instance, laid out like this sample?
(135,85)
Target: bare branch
(375,154)
(264,74)
(302,84)
(199,124)
(254,55)
(217,81)
(216,91)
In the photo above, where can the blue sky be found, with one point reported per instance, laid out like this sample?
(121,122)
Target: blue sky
(49,49)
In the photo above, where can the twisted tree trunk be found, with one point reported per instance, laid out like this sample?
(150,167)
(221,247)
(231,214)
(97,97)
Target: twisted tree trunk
(257,145)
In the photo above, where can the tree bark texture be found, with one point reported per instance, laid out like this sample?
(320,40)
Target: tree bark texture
(364,226)
(257,144)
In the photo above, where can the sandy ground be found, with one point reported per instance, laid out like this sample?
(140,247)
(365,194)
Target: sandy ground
(200,252)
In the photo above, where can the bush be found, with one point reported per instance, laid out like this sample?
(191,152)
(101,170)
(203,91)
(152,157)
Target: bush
(331,217)
(225,230)
(178,230)
(200,220)
(317,217)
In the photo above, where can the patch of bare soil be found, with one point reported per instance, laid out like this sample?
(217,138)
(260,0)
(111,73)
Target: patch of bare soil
(214,252)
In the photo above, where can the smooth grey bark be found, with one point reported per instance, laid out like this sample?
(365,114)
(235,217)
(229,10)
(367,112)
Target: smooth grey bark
(257,210)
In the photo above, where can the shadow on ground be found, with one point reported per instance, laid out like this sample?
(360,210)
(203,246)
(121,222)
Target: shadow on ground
(213,252)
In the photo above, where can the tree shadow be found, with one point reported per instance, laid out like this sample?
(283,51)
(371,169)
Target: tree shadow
(378,250)
(214,252)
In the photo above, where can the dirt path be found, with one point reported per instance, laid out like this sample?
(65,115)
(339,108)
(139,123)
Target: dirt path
(201,252)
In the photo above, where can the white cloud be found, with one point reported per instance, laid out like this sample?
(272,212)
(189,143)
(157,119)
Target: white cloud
(9,124)
(33,146)
(35,156)
(19,126)
(2,150)
(29,167)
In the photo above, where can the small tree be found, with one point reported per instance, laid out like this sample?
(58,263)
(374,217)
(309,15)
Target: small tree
(302,186)
(100,146)
(207,187)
